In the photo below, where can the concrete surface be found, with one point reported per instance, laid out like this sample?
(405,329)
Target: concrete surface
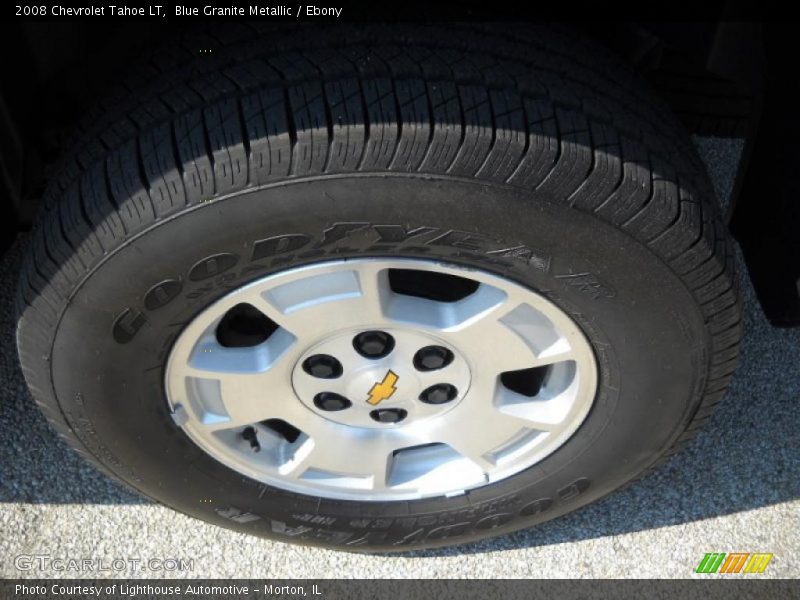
(735,488)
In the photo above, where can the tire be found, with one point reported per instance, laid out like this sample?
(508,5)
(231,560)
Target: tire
(514,151)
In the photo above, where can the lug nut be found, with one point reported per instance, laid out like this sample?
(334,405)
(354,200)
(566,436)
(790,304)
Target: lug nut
(431,358)
(389,415)
(323,366)
(331,401)
(250,435)
(373,344)
(438,394)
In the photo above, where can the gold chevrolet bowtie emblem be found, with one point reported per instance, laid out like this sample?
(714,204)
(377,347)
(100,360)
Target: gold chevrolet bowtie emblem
(383,390)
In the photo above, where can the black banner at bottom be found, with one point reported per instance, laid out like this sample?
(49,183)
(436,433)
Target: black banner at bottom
(395,589)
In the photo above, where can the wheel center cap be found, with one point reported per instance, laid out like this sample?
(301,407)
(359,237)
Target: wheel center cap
(382,390)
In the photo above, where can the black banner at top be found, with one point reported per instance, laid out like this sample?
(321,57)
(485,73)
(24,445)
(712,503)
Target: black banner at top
(401,10)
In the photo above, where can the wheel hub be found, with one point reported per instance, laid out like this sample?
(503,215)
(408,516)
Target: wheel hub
(387,390)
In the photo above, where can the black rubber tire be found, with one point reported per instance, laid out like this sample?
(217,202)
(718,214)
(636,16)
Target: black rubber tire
(513,149)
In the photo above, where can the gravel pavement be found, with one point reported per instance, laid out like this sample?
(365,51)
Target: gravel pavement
(735,488)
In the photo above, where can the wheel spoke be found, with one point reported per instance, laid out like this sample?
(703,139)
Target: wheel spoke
(477,429)
(232,387)
(227,400)
(355,298)
(375,293)
(506,339)
(501,433)
(496,347)
(365,460)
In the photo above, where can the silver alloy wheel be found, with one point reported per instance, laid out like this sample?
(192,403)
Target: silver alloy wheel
(336,402)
